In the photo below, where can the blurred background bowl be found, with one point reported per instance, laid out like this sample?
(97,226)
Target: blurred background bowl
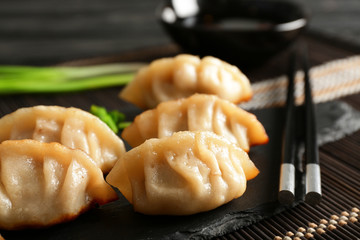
(243,32)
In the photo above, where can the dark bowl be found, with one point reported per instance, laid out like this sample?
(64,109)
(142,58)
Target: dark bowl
(242,32)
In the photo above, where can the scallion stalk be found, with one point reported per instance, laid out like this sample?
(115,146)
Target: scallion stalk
(28,79)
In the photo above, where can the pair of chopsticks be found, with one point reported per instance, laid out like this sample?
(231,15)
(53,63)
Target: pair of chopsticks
(288,166)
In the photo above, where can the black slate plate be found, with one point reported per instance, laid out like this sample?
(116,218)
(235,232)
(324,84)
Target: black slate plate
(118,219)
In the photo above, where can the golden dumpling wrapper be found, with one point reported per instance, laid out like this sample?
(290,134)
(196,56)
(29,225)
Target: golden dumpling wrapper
(186,173)
(181,76)
(71,127)
(200,112)
(42,184)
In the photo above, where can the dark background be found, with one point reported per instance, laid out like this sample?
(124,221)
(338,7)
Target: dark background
(50,32)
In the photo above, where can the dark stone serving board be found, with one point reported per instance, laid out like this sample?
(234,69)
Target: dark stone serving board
(118,220)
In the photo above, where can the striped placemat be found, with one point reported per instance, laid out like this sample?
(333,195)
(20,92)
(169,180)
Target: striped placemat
(329,81)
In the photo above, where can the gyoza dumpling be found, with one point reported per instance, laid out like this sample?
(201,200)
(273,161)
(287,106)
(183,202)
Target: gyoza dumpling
(200,112)
(186,173)
(71,127)
(173,78)
(43,184)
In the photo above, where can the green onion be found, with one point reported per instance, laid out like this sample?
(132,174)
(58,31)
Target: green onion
(117,116)
(114,119)
(29,79)
(123,125)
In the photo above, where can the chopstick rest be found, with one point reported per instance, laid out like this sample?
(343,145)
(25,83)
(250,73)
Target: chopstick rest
(287,183)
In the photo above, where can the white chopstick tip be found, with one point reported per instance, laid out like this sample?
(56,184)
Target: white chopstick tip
(313,184)
(313,198)
(286,193)
(286,197)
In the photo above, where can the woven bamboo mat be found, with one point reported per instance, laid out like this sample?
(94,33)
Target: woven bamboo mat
(336,217)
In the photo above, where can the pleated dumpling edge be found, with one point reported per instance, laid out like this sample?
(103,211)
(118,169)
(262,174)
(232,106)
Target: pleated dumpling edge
(43,184)
(199,112)
(181,76)
(186,173)
(71,127)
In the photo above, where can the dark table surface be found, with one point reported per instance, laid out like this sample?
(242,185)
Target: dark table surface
(99,31)
(49,32)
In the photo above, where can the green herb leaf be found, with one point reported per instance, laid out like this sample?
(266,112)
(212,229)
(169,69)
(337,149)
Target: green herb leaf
(123,125)
(117,116)
(114,119)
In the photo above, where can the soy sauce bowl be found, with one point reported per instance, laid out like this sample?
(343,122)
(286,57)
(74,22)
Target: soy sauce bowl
(244,32)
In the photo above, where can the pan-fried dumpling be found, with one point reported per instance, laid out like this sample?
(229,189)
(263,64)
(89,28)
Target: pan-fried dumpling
(186,173)
(42,184)
(200,112)
(71,127)
(173,78)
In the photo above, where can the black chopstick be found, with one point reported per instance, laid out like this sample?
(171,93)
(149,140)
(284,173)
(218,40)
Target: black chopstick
(286,193)
(287,183)
(313,175)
